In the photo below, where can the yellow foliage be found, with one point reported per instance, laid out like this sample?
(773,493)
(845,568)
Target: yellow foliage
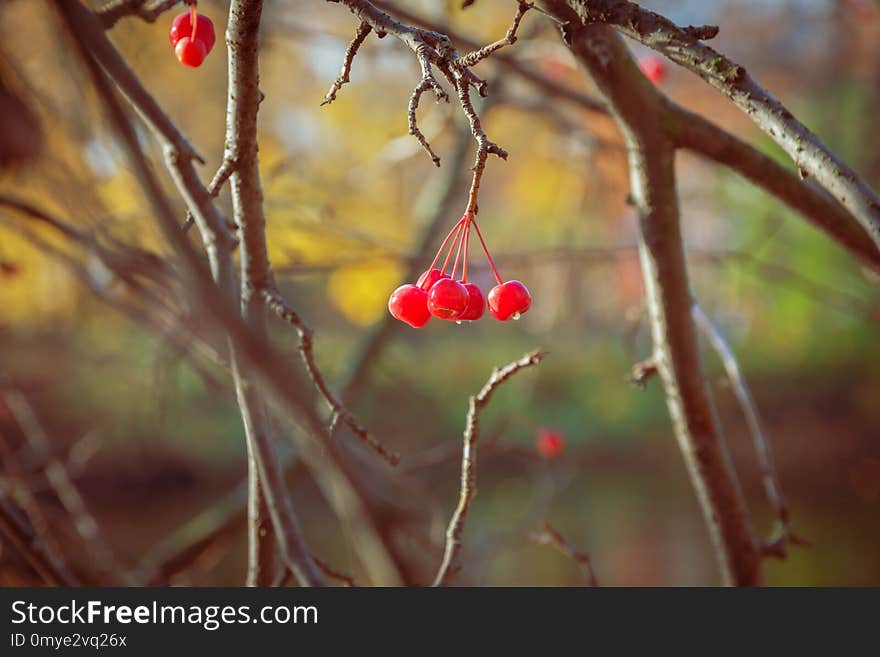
(361,290)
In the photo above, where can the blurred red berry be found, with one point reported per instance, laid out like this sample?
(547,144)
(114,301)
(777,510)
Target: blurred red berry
(654,68)
(509,300)
(409,304)
(550,443)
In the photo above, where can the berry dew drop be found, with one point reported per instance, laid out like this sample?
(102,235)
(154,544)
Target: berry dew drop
(439,294)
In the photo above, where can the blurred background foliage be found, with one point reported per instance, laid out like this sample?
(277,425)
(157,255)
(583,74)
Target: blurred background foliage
(348,193)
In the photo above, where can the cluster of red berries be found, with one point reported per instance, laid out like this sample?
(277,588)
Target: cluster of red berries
(549,442)
(439,294)
(192,37)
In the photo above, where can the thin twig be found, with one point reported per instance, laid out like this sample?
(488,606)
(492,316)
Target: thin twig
(433,49)
(547,535)
(449,566)
(341,414)
(363,31)
(62,484)
(224,171)
(770,477)
(29,544)
(42,528)
(115,10)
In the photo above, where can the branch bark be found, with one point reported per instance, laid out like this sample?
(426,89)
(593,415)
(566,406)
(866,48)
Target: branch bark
(809,154)
(454,532)
(652,179)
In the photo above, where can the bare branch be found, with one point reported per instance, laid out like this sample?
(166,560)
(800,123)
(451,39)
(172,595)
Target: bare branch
(243,102)
(769,475)
(476,56)
(414,130)
(337,484)
(332,573)
(703,137)
(642,372)
(363,30)
(62,484)
(341,414)
(115,10)
(29,544)
(637,110)
(433,49)
(43,537)
(476,404)
(547,535)
(809,154)
(224,171)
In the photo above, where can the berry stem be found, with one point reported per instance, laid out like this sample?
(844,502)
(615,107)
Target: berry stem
(460,240)
(486,251)
(467,241)
(194,19)
(445,241)
(452,247)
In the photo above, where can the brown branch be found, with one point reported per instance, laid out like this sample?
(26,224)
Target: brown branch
(332,573)
(363,31)
(270,496)
(115,10)
(414,129)
(637,109)
(433,49)
(698,135)
(62,484)
(338,485)
(809,154)
(449,566)
(476,56)
(341,414)
(224,171)
(29,544)
(547,535)
(775,546)
(703,137)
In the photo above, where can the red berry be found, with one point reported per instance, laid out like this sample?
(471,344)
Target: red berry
(549,442)
(510,299)
(447,299)
(409,304)
(653,67)
(476,303)
(189,52)
(428,278)
(182,27)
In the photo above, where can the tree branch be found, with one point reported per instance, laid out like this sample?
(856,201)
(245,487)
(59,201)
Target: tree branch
(810,155)
(476,404)
(115,10)
(652,179)
(242,39)
(547,535)
(769,476)
(703,137)
(433,49)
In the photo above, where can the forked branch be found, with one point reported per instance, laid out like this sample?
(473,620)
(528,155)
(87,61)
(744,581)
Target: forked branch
(454,532)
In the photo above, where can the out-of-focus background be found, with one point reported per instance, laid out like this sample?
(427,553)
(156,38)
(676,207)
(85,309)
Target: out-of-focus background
(150,444)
